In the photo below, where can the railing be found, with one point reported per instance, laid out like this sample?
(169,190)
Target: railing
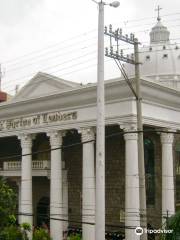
(42,164)
(36,165)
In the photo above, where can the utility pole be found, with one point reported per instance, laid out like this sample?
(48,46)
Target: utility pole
(100,128)
(100,133)
(142,183)
(118,56)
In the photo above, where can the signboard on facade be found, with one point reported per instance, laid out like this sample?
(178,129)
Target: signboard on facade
(36,120)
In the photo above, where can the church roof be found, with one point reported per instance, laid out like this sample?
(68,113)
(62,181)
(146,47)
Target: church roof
(43,84)
(161,59)
(159,34)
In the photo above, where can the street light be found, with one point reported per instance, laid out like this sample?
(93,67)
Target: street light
(115,4)
(100,134)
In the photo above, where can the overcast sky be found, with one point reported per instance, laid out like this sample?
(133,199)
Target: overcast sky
(60,37)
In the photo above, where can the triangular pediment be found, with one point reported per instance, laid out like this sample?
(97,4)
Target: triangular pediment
(43,84)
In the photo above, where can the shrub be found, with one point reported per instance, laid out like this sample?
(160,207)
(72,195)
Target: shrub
(8,201)
(75,237)
(25,229)
(173,224)
(11,233)
(41,234)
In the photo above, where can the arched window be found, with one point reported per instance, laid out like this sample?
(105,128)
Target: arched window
(149,159)
(43,211)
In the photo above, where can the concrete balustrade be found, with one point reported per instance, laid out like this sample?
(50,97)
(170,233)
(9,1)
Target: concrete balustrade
(16,165)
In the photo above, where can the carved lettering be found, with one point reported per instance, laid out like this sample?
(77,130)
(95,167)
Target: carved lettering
(37,120)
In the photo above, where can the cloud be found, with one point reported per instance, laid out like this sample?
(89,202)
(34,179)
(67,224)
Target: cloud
(14,11)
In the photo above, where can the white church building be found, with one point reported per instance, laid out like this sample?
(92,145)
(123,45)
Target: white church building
(47,146)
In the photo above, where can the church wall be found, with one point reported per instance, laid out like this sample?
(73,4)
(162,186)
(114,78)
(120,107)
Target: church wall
(154,211)
(73,161)
(115,179)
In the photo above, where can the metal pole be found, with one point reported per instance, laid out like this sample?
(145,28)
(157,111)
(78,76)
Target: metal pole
(140,143)
(100,138)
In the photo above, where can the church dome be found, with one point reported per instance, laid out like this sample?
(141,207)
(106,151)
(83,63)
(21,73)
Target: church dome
(160,61)
(159,34)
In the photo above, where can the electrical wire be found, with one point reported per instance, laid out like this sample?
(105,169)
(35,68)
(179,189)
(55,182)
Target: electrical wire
(68,61)
(63,147)
(61,64)
(81,143)
(83,34)
(13,80)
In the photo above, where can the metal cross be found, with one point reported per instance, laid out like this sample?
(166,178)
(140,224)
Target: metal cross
(158,10)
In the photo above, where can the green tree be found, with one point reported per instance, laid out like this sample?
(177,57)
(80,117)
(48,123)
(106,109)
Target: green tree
(41,234)
(173,223)
(75,237)
(11,233)
(8,202)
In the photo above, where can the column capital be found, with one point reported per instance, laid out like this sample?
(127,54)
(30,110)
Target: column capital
(55,137)
(26,140)
(167,138)
(87,134)
(130,131)
(128,127)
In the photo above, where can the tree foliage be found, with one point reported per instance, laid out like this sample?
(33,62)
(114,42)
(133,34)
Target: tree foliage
(11,233)
(173,223)
(8,202)
(41,234)
(75,237)
(8,227)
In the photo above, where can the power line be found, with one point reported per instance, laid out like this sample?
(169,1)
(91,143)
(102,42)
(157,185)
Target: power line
(80,35)
(75,221)
(73,59)
(147,18)
(67,52)
(69,73)
(62,63)
(33,73)
(56,56)
(85,142)
(55,217)
(51,46)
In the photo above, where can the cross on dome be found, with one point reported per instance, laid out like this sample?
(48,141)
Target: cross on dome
(159,33)
(158,9)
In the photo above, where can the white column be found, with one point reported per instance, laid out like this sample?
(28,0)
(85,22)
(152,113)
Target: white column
(132,202)
(168,202)
(26,180)
(65,199)
(88,185)
(56,204)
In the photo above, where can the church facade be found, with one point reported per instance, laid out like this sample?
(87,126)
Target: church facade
(47,147)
